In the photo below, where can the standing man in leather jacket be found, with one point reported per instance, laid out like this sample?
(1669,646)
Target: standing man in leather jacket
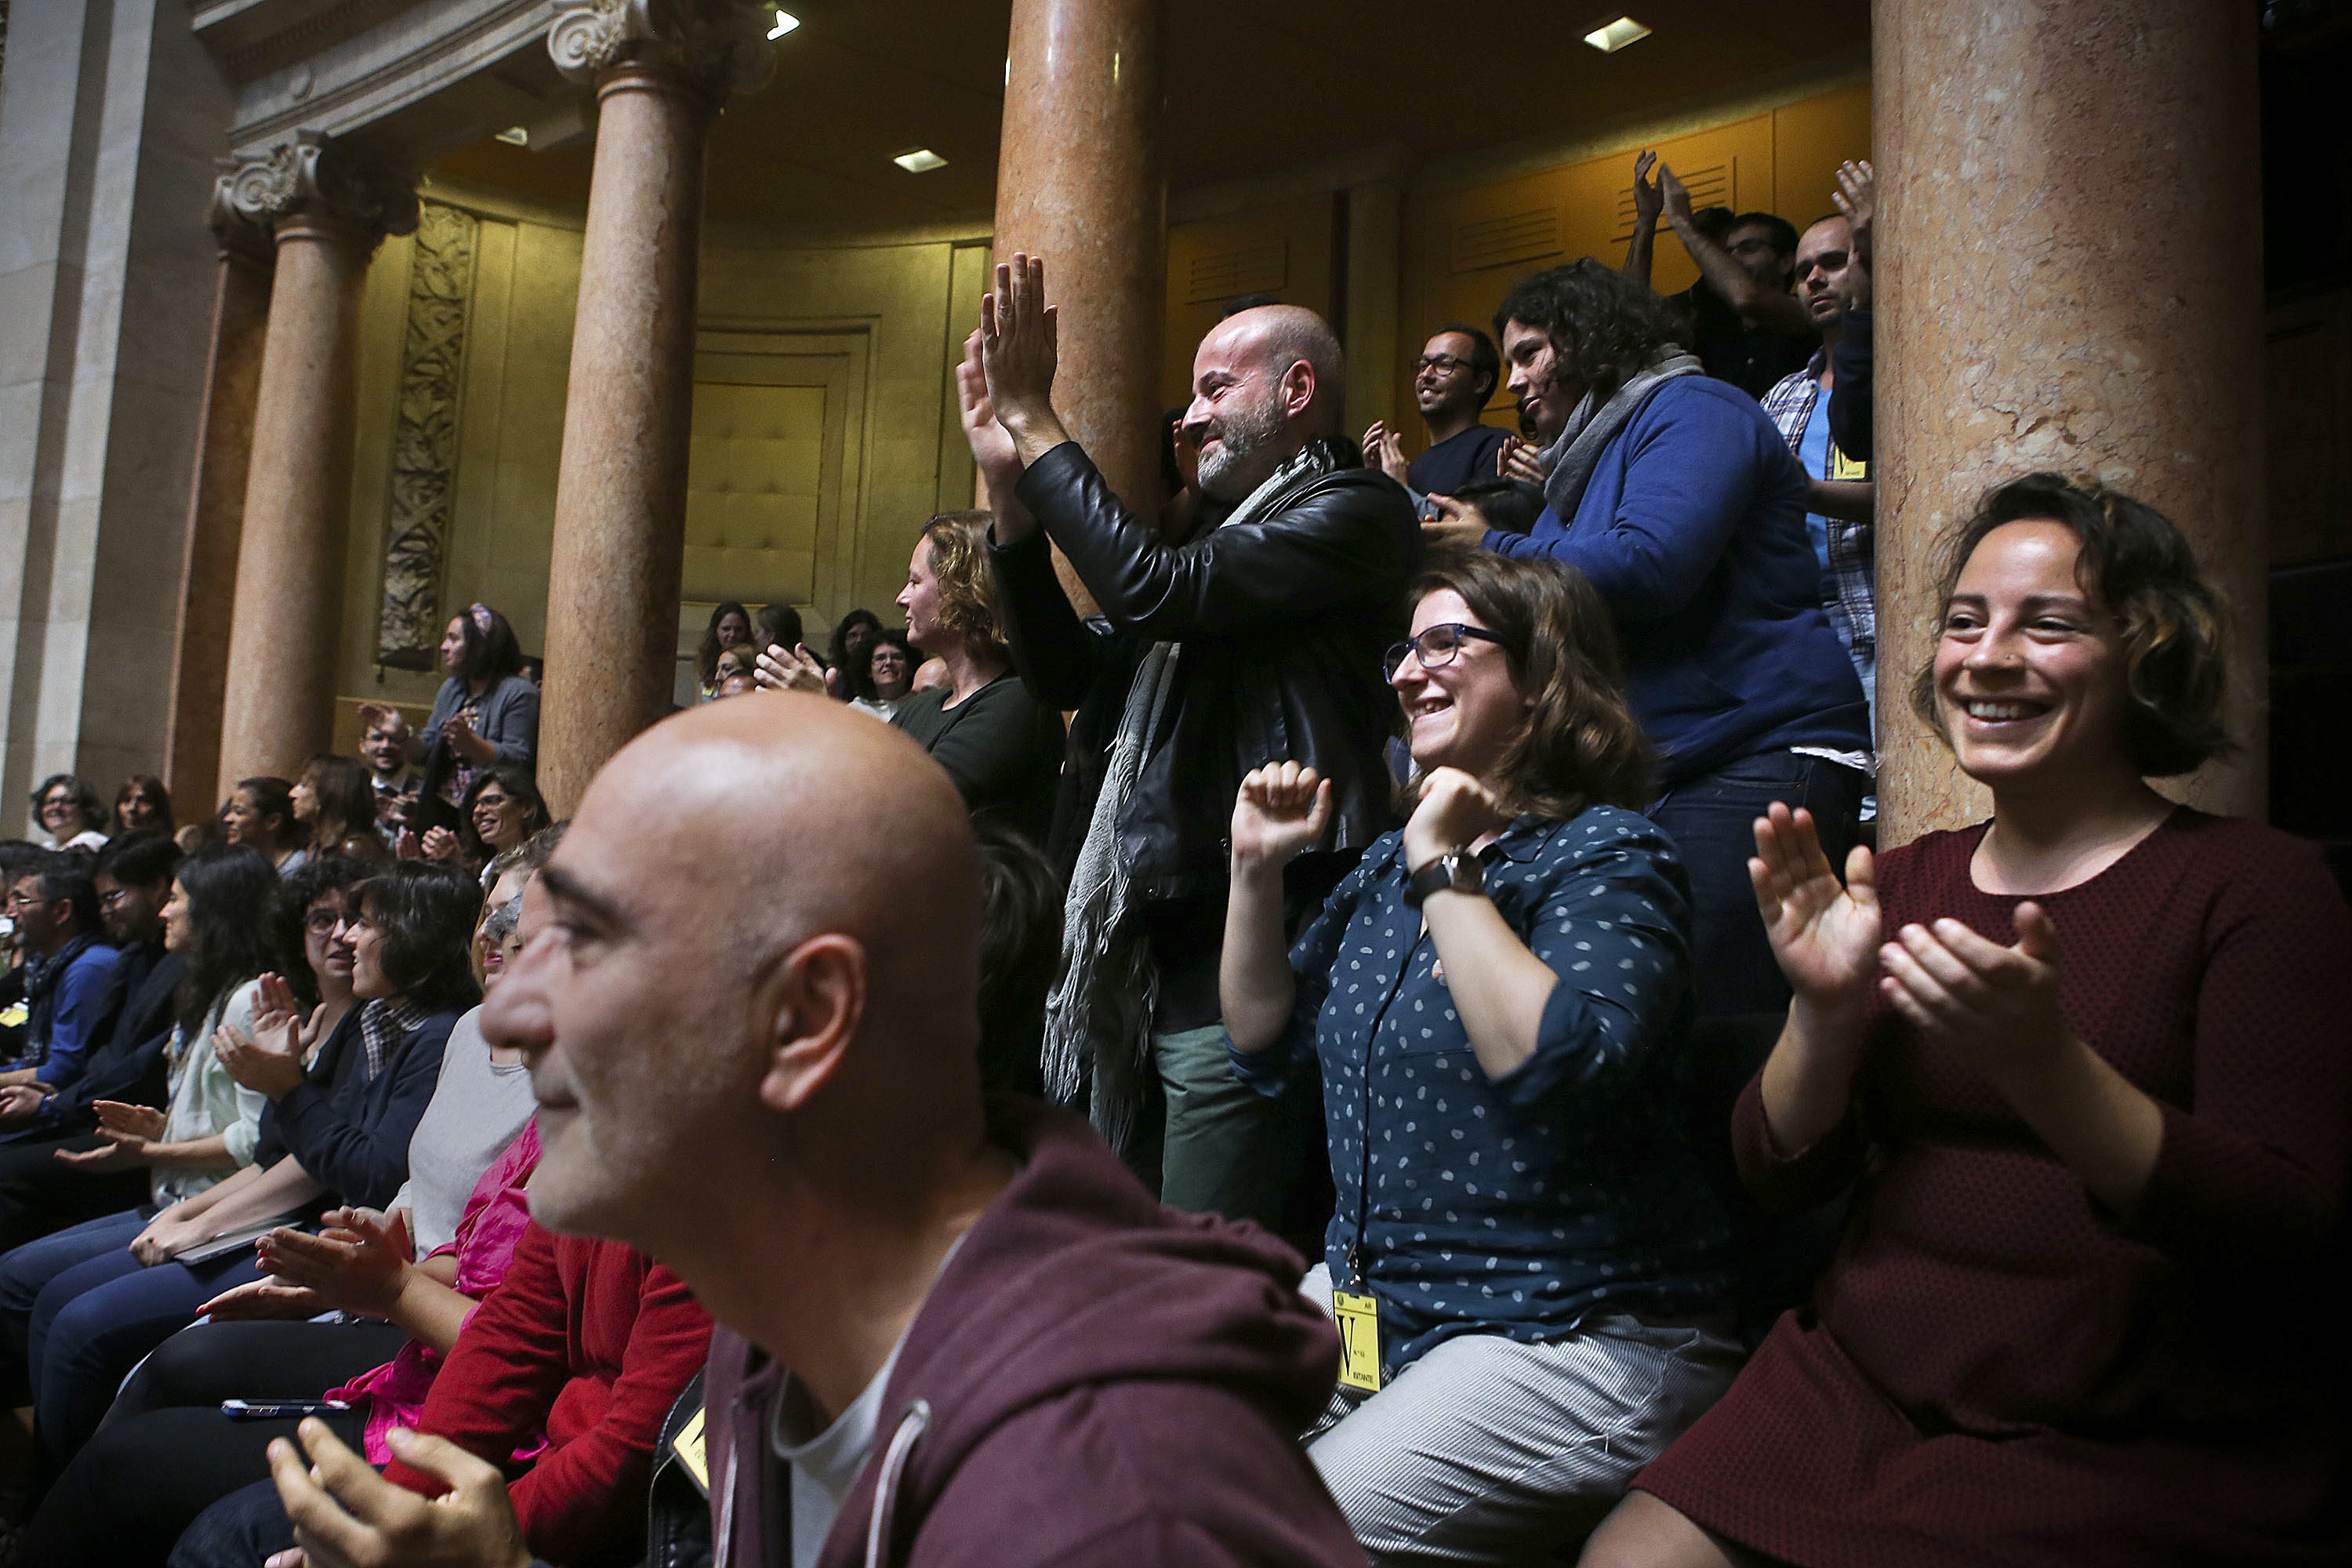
(1254,637)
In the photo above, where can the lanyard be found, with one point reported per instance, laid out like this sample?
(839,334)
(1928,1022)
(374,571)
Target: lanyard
(1355,1252)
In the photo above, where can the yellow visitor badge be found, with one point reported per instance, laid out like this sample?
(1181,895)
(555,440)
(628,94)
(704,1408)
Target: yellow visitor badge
(1843,467)
(689,1443)
(1358,1318)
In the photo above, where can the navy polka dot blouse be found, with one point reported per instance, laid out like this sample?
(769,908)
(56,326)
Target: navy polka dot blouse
(1512,1205)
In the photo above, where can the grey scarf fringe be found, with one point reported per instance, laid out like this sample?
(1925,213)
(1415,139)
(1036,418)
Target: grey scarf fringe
(1097,1043)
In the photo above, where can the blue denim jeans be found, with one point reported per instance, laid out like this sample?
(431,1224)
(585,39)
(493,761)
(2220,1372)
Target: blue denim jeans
(81,1310)
(1712,818)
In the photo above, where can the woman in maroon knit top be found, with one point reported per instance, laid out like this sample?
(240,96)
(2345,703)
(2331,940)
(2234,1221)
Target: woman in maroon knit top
(2090,1063)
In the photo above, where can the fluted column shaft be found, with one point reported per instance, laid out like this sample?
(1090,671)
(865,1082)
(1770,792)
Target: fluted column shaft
(279,706)
(620,497)
(1080,181)
(2069,278)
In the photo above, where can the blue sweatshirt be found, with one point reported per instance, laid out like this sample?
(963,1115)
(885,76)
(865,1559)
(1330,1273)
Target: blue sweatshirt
(64,1019)
(1693,528)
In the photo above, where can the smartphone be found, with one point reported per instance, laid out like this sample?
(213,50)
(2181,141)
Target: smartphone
(281,1409)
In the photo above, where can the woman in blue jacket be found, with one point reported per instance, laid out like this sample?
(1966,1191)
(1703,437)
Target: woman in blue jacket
(1672,493)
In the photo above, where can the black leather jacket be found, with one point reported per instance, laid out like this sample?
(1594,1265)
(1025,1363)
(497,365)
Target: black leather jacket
(1282,622)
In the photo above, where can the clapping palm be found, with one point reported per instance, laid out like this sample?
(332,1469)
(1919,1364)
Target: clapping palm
(1825,935)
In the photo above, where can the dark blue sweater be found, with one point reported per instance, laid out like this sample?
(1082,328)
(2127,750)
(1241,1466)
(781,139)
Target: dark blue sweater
(1693,528)
(350,1131)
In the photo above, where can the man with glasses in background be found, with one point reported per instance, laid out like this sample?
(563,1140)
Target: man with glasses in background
(1456,374)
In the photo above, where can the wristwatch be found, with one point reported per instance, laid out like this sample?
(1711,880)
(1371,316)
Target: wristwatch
(1456,869)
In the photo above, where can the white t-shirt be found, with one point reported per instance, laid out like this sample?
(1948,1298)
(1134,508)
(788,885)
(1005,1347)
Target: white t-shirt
(825,1466)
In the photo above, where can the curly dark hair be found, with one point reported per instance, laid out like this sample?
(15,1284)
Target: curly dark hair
(1602,324)
(427,912)
(312,880)
(1581,745)
(2136,566)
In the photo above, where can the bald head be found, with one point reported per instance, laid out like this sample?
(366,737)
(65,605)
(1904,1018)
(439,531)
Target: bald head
(1281,336)
(1265,383)
(806,816)
(734,988)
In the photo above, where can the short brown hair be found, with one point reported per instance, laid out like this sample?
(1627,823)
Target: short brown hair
(1581,745)
(958,541)
(2142,571)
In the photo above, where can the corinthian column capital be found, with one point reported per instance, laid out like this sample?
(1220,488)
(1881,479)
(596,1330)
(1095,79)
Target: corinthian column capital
(721,46)
(311,174)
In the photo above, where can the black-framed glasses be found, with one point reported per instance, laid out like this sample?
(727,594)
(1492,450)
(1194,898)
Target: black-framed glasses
(1445,364)
(1437,645)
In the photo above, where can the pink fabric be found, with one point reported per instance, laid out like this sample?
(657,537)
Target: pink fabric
(496,1217)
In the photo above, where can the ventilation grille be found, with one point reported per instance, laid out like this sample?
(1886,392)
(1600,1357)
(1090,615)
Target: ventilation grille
(1252,269)
(1515,236)
(1714,187)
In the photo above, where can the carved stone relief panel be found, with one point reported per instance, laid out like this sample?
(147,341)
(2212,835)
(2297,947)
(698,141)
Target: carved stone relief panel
(424,439)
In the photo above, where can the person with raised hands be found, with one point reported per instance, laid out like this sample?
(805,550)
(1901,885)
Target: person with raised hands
(2091,1059)
(1251,638)
(1524,1257)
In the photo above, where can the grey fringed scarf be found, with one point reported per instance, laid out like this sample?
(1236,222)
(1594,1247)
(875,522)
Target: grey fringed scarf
(1568,461)
(1098,1018)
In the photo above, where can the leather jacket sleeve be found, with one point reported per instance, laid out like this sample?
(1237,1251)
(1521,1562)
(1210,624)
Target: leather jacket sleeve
(1312,557)
(1057,655)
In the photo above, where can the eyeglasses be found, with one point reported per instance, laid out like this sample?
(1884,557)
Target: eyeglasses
(1445,364)
(1437,647)
(319,922)
(111,897)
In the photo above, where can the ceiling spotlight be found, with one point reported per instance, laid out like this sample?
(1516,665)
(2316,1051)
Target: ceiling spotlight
(1624,30)
(921,160)
(785,23)
(515,136)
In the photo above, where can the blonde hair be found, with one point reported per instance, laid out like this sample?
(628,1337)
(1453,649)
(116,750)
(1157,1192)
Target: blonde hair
(958,541)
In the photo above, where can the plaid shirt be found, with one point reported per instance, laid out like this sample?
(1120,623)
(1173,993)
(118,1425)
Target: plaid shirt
(383,1024)
(1853,604)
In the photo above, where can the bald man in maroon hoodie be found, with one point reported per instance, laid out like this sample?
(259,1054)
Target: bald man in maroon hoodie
(952,1333)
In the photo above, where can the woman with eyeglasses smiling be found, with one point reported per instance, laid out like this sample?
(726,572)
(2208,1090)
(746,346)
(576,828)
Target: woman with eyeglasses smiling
(1524,1254)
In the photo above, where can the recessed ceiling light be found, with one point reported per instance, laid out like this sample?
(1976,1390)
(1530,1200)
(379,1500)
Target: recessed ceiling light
(921,160)
(1624,30)
(515,136)
(785,23)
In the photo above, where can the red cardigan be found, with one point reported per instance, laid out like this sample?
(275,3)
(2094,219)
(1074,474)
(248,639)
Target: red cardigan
(593,1342)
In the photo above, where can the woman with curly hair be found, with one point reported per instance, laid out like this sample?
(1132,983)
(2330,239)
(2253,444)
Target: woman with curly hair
(1677,496)
(1000,745)
(1525,1260)
(2089,1062)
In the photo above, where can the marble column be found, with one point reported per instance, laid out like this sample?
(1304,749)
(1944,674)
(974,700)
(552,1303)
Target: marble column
(620,497)
(326,210)
(192,741)
(2069,278)
(1080,180)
